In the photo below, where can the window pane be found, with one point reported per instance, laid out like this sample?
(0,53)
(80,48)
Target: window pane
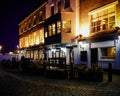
(112,19)
(105,24)
(36,55)
(111,22)
(35,20)
(46,32)
(50,30)
(53,29)
(98,25)
(57,54)
(58,27)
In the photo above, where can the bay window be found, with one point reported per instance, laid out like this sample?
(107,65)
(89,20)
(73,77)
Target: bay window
(103,19)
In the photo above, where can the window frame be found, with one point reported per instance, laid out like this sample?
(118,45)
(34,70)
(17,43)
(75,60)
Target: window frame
(105,55)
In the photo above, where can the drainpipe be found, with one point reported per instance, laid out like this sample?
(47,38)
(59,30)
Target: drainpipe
(71,65)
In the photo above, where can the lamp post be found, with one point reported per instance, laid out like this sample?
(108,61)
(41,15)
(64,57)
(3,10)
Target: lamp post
(0,48)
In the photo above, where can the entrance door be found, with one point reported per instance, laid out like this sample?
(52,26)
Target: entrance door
(94,56)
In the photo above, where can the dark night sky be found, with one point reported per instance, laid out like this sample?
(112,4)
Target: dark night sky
(11,13)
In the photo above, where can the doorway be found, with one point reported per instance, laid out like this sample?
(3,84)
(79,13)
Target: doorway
(94,56)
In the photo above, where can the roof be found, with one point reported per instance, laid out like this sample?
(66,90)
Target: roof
(100,36)
(32,9)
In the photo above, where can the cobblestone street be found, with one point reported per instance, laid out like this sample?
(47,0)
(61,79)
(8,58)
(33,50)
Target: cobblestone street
(12,84)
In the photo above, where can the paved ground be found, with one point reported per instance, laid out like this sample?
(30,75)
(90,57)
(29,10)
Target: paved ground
(17,84)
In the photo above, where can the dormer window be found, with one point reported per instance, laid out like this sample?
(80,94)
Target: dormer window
(51,3)
(67,3)
(59,6)
(52,10)
(41,16)
(35,20)
(21,30)
(25,26)
(29,25)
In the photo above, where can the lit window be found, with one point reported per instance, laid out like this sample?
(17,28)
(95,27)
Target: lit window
(58,27)
(27,55)
(53,29)
(22,42)
(103,20)
(35,54)
(50,30)
(31,54)
(46,32)
(66,26)
(41,36)
(25,26)
(29,25)
(26,41)
(21,30)
(41,16)
(108,53)
(35,20)
(34,38)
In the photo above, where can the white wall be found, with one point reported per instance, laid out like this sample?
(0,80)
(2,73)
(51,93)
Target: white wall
(76,55)
(117,66)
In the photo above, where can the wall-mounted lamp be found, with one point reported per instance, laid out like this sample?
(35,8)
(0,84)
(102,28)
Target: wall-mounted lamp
(118,39)
(81,45)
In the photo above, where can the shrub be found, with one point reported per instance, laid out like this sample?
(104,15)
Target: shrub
(96,68)
(95,73)
(6,63)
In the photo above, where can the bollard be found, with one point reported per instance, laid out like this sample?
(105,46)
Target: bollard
(71,70)
(109,72)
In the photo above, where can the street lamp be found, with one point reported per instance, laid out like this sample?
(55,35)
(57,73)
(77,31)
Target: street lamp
(17,49)
(0,48)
